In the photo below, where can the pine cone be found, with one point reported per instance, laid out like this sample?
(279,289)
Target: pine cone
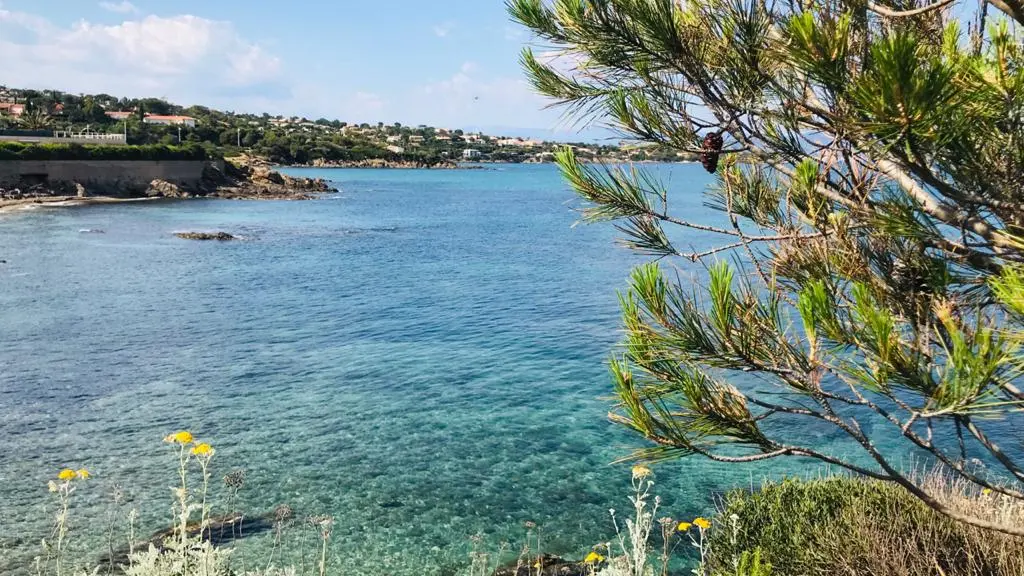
(712,150)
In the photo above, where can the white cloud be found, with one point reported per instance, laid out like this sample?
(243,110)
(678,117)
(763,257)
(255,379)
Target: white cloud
(443,30)
(177,57)
(123,7)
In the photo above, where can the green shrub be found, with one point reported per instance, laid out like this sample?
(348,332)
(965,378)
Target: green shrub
(21,151)
(848,526)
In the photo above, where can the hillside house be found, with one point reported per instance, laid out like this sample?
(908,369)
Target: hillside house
(169,120)
(12,109)
(519,143)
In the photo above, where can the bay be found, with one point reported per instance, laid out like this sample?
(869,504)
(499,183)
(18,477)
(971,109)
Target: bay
(421,356)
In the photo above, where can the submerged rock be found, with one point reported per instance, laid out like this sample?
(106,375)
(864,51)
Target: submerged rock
(219,530)
(549,566)
(205,236)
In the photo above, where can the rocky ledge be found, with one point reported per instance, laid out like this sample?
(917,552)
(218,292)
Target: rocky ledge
(251,178)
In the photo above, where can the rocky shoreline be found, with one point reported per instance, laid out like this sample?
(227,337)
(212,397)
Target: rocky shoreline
(241,179)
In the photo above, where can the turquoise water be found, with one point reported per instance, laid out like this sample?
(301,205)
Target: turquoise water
(420,356)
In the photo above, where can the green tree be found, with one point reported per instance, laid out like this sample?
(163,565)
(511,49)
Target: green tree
(35,119)
(869,159)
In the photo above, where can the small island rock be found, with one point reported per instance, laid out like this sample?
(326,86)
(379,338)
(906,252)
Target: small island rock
(205,236)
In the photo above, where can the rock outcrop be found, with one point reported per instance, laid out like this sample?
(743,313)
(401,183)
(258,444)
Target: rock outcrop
(222,236)
(246,177)
(165,189)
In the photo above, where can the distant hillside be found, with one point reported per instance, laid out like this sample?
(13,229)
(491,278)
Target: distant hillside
(285,140)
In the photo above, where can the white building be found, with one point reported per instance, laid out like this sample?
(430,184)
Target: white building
(170,120)
(396,149)
(471,154)
(520,142)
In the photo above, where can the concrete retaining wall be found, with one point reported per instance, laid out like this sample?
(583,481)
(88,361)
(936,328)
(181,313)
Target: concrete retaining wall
(103,140)
(102,173)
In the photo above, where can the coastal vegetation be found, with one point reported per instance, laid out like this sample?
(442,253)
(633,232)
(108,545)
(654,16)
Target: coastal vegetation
(19,151)
(292,140)
(852,526)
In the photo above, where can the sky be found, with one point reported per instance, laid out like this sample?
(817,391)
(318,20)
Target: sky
(446,63)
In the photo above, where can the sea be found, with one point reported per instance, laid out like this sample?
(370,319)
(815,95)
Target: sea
(422,356)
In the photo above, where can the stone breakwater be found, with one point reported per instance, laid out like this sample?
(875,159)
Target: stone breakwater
(240,180)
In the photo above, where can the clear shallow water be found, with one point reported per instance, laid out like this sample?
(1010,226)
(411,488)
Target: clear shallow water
(421,356)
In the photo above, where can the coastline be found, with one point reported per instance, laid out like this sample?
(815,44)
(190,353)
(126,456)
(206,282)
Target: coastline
(461,165)
(12,205)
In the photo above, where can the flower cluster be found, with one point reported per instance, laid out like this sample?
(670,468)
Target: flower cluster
(700,523)
(641,472)
(68,474)
(66,477)
(185,438)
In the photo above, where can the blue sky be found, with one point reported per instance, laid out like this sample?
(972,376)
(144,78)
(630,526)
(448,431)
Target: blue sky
(443,62)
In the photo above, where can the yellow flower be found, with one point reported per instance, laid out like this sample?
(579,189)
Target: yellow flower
(179,438)
(203,449)
(684,526)
(986,491)
(67,474)
(702,523)
(83,474)
(593,558)
(641,472)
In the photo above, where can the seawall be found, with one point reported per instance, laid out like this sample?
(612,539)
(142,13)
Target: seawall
(106,174)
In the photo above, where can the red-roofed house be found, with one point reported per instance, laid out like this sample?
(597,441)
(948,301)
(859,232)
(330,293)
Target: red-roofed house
(170,120)
(12,109)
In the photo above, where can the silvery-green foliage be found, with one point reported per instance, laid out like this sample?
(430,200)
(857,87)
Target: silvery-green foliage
(290,571)
(196,559)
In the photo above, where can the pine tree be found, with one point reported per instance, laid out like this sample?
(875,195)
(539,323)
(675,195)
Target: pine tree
(869,274)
